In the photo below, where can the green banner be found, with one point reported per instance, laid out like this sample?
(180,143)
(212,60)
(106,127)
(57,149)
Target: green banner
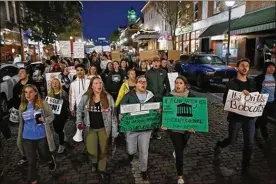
(180,113)
(132,123)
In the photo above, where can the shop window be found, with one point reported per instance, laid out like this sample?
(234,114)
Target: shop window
(195,10)
(217,5)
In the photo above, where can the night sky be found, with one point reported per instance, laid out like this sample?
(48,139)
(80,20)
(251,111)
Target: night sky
(100,19)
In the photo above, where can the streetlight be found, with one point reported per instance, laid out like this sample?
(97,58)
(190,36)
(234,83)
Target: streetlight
(229,4)
(71,37)
(157,28)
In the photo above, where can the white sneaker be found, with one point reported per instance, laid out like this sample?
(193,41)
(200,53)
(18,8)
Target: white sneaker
(180,181)
(174,154)
(61,149)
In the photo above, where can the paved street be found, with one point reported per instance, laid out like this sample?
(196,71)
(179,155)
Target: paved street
(200,166)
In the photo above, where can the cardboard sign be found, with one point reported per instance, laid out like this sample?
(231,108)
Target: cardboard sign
(78,50)
(251,105)
(181,113)
(148,54)
(174,55)
(172,77)
(50,77)
(116,56)
(65,48)
(56,104)
(143,121)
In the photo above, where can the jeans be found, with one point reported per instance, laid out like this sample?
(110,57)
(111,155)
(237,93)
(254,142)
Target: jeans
(179,141)
(30,148)
(141,141)
(248,129)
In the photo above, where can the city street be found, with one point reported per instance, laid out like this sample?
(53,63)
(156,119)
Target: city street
(200,166)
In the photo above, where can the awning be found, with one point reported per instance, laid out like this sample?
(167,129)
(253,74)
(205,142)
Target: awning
(216,29)
(254,22)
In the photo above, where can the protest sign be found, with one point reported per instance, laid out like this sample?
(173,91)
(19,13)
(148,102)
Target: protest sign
(106,48)
(172,77)
(78,50)
(129,108)
(144,121)
(251,105)
(56,104)
(65,48)
(115,56)
(50,77)
(174,55)
(98,48)
(148,54)
(184,113)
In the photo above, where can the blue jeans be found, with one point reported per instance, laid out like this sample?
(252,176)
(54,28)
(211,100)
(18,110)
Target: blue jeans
(248,129)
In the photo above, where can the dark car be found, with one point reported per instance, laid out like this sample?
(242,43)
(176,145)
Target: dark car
(205,69)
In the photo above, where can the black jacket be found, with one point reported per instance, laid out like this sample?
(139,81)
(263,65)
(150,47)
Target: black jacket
(114,81)
(17,91)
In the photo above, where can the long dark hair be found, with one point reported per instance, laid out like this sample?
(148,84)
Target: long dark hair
(103,96)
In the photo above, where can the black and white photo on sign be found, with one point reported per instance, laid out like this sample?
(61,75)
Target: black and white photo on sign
(56,104)
(78,50)
(172,77)
(65,48)
(50,77)
(251,105)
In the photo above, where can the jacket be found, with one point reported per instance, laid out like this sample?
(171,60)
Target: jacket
(131,98)
(77,88)
(49,117)
(158,83)
(109,116)
(17,90)
(114,81)
(123,90)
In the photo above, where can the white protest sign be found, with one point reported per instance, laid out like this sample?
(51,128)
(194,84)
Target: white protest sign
(251,105)
(98,48)
(150,106)
(129,108)
(65,48)
(172,76)
(106,48)
(78,50)
(50,77)
(56,104)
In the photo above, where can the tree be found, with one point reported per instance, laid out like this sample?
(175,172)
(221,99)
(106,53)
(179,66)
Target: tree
(115,35)
(169,11)
(46,19)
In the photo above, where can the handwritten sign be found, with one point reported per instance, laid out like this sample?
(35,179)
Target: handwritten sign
(50,77)
(251,105)
(98,48)
(78,49)
(174,55)
(106,48)
(172,77)
(150,106)
(181,113)
(144,121)
(65,48)
(148,54)
(116,56)
(129,108)
(56,104)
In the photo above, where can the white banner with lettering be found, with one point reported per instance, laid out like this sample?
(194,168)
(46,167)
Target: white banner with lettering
(65,48)
(251,105)
(56,104)
(78,49)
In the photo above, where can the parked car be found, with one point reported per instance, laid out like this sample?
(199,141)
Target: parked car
(8,79)
(205,69)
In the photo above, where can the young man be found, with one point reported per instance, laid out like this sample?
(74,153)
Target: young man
(141,138)
(266,83)
(158,84)
(236,122)
(77,88)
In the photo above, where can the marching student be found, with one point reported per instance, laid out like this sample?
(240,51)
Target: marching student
(57,92)
(99,122)
(34,133)
(180,138)
(236,122)
(92,72)
(77,88)
(139,138)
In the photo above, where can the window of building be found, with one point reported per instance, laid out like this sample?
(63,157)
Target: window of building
(3,12)
(12,18)
(195,10)
(217,5)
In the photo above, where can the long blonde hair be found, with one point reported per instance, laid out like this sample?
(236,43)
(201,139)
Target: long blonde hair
(51,92)
(24,101)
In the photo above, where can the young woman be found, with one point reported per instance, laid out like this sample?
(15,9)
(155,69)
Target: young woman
(124,66)
(109,68)
(99,121)
(92,72)
(127,86)
(34,133)
(180,138)
(57,92)
(142,68)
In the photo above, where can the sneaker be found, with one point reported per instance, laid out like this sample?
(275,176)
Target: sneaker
(52,164)
(61,149)
(158,136)
(217,149)
(180,181)
(145,175)
(174,154)
(22,160)
(104,178)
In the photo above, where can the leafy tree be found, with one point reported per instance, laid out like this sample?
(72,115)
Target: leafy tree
(115,35)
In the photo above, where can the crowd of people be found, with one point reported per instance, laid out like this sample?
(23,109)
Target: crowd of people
(92,98)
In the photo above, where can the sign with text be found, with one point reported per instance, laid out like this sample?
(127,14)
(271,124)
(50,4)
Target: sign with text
(106,48)
(142,121)
(115,56)
(65,48)
(184,113)
(174,55)
(131,108)
(251,105)
(148,54)
(56,104)
(78,50)
(172,77)
(50,77)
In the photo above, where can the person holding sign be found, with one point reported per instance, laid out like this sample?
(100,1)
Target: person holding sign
(180,138)
(236,122)
(98,122)
(34,133)
(139,95)
(60,106)
(266,83)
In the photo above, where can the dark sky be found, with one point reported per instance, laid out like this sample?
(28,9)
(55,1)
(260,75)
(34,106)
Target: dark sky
(100,19)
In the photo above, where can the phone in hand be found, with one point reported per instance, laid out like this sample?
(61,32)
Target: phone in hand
(37,116)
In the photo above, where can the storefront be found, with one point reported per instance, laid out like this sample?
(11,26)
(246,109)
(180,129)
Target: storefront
(147,40)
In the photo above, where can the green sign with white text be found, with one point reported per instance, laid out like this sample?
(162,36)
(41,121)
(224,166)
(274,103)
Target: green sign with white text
(181,113)
(132,123)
